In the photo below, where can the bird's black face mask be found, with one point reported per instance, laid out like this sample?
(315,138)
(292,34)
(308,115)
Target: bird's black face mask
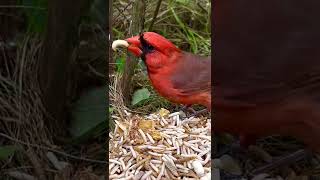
(145,47)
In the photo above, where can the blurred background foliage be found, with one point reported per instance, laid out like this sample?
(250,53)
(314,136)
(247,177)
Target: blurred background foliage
(22,118)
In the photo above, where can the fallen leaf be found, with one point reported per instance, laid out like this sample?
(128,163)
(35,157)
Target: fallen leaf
(156,135)
(260,153)
(230,165)
(163,112)
(146,125)
(215,174)
(262,176)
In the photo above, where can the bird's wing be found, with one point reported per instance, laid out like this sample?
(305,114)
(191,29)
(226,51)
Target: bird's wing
(192,74)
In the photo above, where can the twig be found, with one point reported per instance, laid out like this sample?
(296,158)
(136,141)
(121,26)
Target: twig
(122,11)
(10,119)
(4,55)
(95,71)
(53,150)
(33,158)
(21,72)
(25,168)
(202,8)
(55,162)
(21,175)
(24,7)
(286,160)
(12,16)
(155,14)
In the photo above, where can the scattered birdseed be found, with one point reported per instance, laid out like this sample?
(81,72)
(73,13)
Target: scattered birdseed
(160,146)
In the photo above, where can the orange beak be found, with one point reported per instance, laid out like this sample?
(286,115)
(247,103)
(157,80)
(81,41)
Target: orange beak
(134,46)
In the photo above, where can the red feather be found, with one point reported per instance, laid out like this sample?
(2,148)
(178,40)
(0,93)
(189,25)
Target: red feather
(179,76)
(267,69)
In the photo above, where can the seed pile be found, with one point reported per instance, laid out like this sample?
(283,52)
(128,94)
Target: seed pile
(160,146)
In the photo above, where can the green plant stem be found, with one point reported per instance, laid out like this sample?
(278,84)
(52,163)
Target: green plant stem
(155,14)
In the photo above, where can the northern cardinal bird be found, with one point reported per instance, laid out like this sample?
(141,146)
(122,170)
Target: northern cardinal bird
(267,69)
(179,76)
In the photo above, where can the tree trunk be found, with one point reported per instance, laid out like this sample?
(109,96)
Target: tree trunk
(137,25)
(59,47)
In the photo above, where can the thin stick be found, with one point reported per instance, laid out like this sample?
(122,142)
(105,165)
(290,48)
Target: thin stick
(24,7)
(286,160)
(53,150)
(155,14)
(95,71)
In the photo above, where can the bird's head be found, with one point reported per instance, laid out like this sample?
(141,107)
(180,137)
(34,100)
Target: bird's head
(148,45)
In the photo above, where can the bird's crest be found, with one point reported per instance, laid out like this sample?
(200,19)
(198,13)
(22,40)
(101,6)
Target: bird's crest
(142,40)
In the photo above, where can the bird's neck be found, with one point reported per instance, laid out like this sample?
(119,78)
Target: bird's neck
(160,72)
(161,63)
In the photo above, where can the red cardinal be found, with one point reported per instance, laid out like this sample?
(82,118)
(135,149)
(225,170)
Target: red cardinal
(179,76)
(267,69)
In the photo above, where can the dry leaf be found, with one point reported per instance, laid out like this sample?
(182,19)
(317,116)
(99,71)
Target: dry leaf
(260,153)
(262,176)
(230,165)
(156,135)
(146,125)
(163,112)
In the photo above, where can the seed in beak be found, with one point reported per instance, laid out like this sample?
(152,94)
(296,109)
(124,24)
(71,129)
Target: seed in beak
(119,43)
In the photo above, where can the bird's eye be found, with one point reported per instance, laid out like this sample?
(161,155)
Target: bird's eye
(150,48)
(147,48)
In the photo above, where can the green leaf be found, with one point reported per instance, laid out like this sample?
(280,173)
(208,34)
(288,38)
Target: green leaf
(36,16)
(120,63)
(6,152)
(140,95)
(111,122)
(89,114)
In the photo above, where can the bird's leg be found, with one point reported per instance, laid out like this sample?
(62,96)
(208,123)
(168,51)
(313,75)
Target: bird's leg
(184,107)
(285,160)
(193,112)
(234,148)
(239,146)
(196,113)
